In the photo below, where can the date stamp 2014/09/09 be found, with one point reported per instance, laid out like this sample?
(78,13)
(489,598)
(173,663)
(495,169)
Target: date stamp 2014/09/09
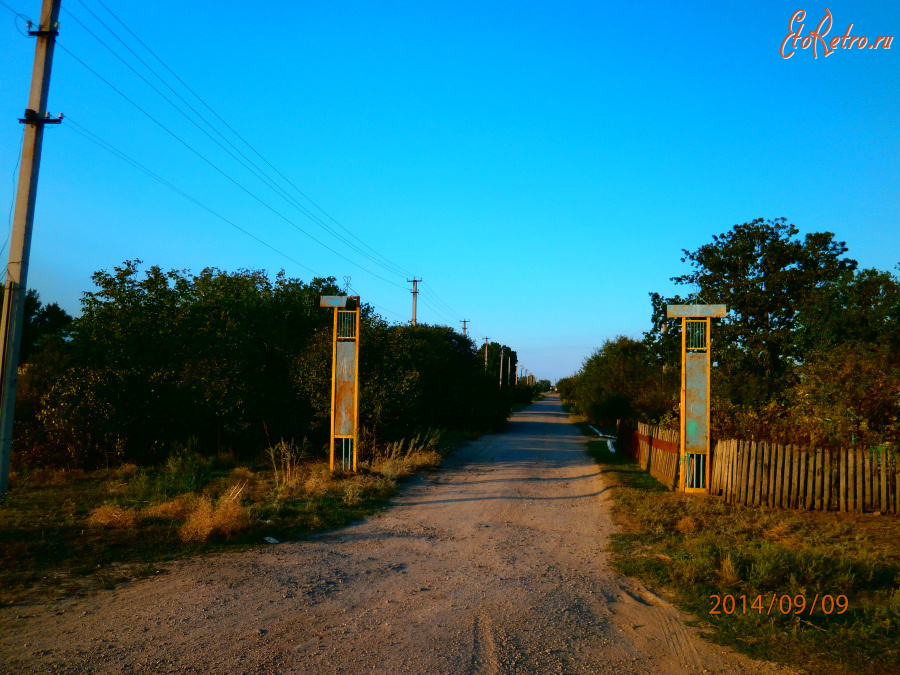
(784,604)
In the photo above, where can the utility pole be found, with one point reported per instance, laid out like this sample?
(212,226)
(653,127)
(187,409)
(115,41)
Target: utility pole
(415,293)
(501,367)
(485,351)
(36,117)
(464,322)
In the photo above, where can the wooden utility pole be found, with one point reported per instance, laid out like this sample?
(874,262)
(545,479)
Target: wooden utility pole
(464,322)
(36,117)
(485,351)
(415,294)
(501,367)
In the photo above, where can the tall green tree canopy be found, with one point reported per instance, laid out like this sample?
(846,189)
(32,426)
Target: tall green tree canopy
(767,276)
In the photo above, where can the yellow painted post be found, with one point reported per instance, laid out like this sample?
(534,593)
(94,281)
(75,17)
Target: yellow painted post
(333,366)
(680,477)
(709,457)
(356,391)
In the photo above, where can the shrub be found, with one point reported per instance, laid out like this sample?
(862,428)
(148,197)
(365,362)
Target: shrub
(226,517)
(117,517)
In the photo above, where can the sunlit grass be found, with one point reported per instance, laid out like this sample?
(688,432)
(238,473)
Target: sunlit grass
(690,547)
(67,531)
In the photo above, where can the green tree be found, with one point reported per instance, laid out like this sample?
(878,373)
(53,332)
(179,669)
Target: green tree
(766,275)
(236,361)
(858,307)
(41,322)
(619,381)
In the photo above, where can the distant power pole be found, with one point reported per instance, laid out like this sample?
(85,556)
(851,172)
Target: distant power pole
(517,374)
(36,117)
(464,322)
(485,351)
(415,294)
(501,367)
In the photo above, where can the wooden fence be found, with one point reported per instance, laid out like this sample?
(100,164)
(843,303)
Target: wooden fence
(657,450)
(791,477)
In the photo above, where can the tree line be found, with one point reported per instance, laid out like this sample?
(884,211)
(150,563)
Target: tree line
(230,362)
(809,351)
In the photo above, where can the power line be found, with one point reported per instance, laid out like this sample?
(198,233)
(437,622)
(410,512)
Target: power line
(93,138)
(387,264)
(12,201)
(108,147)
(256,171)
(440,313)
(439,301)
(219,170)
(19,14)
(372,303)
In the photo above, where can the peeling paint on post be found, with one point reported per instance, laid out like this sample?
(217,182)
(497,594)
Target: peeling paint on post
(345,379)
(695,372)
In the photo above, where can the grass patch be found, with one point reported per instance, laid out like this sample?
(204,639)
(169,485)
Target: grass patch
(64,532)
(691,547)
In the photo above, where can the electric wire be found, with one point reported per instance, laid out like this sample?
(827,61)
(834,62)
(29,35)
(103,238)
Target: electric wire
(108,147)
(256,171)
(357,293)
(434,309)
(19,14)
(219,170)
(12,201)
(436,298)
(96,140)
(402,271)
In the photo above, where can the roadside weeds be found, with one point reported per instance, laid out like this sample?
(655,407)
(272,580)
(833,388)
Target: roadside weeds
(691,547)
(64,532)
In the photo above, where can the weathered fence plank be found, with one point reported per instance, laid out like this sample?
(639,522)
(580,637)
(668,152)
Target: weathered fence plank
(860,479)
(842,490)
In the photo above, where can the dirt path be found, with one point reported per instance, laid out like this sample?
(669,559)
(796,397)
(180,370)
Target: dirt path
(494,565)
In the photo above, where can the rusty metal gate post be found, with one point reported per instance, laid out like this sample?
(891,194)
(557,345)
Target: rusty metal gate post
(344,380)
(695,371)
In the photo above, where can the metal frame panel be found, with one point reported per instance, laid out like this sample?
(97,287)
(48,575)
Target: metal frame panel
(344,381)
(693,388)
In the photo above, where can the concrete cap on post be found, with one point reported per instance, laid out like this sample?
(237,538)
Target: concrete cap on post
(333,301)
(694,311)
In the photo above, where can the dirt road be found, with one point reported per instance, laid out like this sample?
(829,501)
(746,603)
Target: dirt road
(494,565)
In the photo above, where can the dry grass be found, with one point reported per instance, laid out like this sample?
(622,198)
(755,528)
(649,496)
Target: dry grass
(728,574)
(288,463)
(51,520)
(686,524)
(320,482)
(53,477)
(226,517)
(696,546)
(174,509)
(406,457)
(126,470)
(117,517)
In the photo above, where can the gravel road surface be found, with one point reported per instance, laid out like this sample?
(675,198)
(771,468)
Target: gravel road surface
(495,564)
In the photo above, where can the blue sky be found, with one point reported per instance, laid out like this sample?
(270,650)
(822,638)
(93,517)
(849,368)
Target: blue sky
(540,165)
